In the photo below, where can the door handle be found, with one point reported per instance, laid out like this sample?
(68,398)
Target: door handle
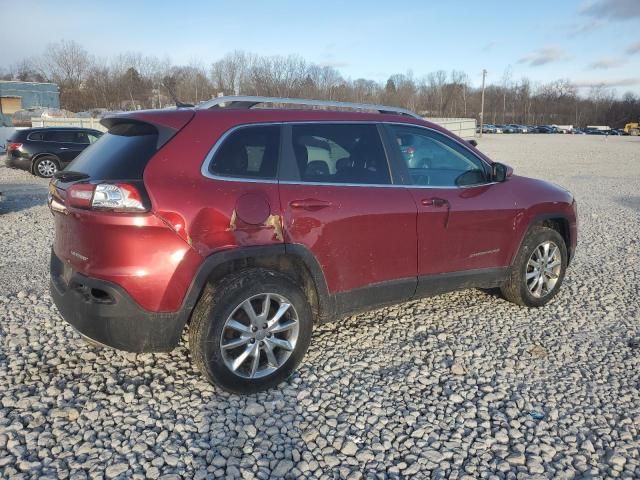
(64,148)
(309,204)
(438,203)
(434,202)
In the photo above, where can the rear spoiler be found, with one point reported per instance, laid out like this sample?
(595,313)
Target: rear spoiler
(166,122)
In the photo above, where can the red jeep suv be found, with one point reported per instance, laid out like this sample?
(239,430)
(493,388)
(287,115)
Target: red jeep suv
(252,224)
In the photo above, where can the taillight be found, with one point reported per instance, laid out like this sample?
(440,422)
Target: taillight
(80,195)
(119,197)
(13,146)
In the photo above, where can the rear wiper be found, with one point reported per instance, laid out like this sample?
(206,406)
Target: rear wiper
(70,175)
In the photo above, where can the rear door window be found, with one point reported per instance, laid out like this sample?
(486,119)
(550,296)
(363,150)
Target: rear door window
(248,152)
(121,154)
(340,153)
(60,136)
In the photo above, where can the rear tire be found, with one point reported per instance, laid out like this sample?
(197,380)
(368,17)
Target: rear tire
(46,166)
(230,327)
(538,270)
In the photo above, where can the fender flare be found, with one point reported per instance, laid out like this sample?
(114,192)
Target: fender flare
(326,302)
(538,219)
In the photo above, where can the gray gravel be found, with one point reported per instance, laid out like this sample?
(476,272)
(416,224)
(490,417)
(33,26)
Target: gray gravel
(464,385)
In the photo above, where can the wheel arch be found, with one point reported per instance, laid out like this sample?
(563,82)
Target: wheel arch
(294,261)
(39,155)
(556,221)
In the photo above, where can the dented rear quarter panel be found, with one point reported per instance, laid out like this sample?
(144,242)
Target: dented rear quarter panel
(211,214)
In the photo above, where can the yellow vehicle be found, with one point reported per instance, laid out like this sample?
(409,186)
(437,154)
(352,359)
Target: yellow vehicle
(632,128)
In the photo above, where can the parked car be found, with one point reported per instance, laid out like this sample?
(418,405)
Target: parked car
(254,225)
(519,128)
(488,128)
(544,129)
(506,128)
(44,151)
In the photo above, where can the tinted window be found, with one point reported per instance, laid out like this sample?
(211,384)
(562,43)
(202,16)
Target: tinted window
(249,152)
(82,137)
(436,160)
(62,136)
(121,154)
(36,136)
(340,153)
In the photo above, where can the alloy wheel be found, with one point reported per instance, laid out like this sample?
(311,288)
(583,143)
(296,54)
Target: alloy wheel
(47,168)
(543,269)
(259,336)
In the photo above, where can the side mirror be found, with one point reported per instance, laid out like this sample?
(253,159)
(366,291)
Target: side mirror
(500,172)
(472,143)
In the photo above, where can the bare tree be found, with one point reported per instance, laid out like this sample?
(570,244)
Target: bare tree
(131,80)
(67,64)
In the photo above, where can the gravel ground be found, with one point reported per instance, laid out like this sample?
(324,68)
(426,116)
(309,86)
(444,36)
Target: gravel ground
(464,385)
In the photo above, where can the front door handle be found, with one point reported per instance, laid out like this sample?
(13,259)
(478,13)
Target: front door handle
(434,202)
(438,203)
(310,204)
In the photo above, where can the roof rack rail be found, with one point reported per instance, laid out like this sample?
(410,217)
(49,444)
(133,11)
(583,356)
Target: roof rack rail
(249,102)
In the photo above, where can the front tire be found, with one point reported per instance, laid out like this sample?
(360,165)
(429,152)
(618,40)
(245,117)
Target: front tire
(250,331)
(46,166)
(538,270)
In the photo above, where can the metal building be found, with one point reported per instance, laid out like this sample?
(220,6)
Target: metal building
(15,96)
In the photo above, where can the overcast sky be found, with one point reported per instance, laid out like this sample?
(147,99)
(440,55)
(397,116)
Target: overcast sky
(588,41)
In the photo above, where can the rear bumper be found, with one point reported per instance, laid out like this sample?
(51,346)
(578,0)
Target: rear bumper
(17,162)
(104,312)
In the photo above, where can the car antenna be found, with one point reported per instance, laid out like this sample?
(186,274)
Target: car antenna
(179,104)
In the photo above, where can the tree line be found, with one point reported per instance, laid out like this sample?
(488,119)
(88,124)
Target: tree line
(132,81)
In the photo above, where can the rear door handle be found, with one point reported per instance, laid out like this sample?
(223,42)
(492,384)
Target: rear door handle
(309,204)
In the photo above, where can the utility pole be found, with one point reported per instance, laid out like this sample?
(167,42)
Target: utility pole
(484,75)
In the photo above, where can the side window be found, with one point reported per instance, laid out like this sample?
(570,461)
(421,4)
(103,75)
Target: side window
(93,138)
(340,153)
(50,136)
(82,137)
(248,152)
(61,136)
(436,160)
(36,136)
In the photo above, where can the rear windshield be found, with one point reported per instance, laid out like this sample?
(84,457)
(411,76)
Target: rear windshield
(120,154)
